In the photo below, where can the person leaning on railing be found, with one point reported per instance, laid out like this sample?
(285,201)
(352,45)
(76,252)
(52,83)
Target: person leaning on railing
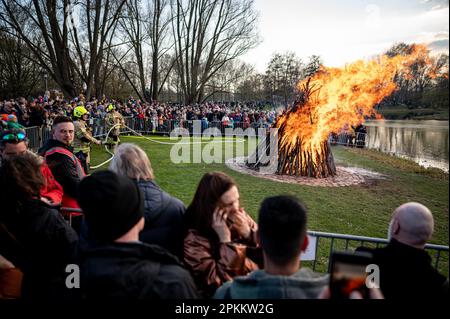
(405,267)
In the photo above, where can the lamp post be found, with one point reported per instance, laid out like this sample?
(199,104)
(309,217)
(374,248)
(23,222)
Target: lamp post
(275,83)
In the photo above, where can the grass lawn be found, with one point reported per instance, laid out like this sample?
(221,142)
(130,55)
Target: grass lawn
(356,210)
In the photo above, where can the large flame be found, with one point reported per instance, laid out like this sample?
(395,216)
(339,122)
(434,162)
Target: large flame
(342,97)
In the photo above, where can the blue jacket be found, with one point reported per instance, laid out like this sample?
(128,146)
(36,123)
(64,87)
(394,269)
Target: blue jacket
(164,216)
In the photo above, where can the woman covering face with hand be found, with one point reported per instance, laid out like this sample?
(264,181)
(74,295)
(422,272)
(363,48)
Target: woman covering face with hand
(221,238)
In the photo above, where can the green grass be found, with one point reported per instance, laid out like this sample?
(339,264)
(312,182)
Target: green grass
(358,210)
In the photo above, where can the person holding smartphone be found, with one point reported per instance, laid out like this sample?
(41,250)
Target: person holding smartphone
(220,243)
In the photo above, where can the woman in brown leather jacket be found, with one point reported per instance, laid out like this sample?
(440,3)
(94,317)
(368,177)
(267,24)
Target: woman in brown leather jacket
(221,238)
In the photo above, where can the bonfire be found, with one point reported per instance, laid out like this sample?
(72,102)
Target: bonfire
(331,100)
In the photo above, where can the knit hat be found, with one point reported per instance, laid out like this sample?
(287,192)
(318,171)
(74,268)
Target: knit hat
(112,204)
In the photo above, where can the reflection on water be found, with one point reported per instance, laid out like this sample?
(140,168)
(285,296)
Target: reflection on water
(425,142)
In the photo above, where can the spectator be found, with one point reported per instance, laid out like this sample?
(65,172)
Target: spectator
(65,166)
(282,235)
(163,213)
(121,266)
(221,238)
(13,143)
(33,235)
(405,267)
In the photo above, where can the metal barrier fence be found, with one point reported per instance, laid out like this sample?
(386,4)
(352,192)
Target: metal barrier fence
(38,136)
(339,242)
(325,243)
(357,139)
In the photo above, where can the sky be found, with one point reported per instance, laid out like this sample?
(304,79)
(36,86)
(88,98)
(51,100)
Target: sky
(347,30)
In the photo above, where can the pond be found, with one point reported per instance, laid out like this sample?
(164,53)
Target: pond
(425,142)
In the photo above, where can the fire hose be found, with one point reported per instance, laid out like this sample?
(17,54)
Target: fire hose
(152,140)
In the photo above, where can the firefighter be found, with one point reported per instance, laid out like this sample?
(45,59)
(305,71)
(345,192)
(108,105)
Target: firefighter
(113,118)
(83,137)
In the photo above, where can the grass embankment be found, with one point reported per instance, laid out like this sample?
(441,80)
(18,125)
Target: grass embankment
(405,113)
(357,210)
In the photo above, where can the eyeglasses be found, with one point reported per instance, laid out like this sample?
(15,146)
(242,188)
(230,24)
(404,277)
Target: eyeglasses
(14,137)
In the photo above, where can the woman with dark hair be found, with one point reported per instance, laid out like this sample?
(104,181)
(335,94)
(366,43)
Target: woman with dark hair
(33,235)
(221,238)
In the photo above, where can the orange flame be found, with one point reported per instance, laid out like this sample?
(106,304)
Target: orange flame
(343,97)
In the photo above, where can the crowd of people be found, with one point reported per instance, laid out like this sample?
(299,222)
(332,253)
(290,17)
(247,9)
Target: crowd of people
(135,241)
(42,111)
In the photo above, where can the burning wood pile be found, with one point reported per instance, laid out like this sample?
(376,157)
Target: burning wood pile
(330,101)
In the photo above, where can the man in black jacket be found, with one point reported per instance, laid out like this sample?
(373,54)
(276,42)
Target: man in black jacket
(65,166)
(405,267)
(119,266)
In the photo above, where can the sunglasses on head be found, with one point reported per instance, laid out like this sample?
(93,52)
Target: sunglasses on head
(14,137)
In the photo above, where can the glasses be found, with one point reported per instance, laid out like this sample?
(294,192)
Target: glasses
(14,137)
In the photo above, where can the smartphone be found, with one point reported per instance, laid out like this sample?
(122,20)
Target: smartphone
(348,273)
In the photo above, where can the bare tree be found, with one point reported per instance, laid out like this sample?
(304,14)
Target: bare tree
(67,50)
(283,74)
(251,87)
(158,29)
(132,25)
(93,36)
(225,82)
(313,65)
(42,25)
(208,34)
(18,74)
(146,24)
(424,73)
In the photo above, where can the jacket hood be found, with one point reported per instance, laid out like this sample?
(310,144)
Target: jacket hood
(304,284)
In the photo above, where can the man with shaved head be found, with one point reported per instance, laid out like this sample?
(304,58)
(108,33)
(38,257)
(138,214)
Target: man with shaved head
(405,267)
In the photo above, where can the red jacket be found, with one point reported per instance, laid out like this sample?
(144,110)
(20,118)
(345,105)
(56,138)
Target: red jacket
(51,190)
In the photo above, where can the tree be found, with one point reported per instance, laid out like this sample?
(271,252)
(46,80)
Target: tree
(251,85)
(422,74)
(283,74)
(208,34)
(18,74)
(313,65)
(92,37)
(70,52)
(148,26)
(38,25)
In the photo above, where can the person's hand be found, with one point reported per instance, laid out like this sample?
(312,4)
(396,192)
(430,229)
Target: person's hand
(219,224)
(374,293)
(240,223)
(98,142)
(47,201)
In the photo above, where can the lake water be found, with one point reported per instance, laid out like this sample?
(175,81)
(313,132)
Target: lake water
(425,142)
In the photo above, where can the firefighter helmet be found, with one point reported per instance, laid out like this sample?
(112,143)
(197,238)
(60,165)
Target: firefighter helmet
(79,111)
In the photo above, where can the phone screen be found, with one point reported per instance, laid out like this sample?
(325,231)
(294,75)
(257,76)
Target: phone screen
(348,273)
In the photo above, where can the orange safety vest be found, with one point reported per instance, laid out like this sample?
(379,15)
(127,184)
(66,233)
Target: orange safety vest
(68,201)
